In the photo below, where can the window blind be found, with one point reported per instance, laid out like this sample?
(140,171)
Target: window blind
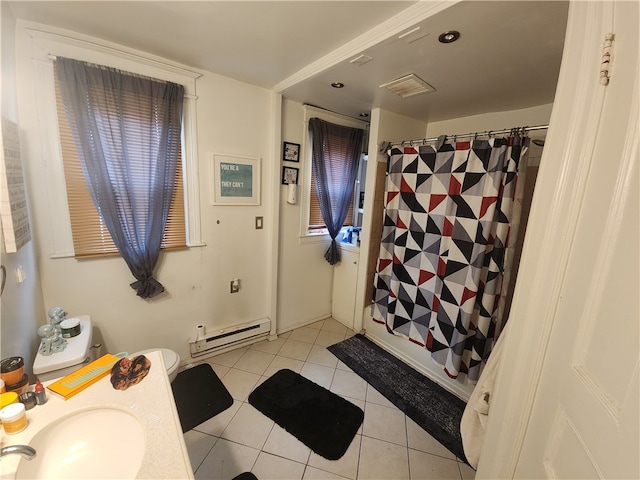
(335,167)
(91,237)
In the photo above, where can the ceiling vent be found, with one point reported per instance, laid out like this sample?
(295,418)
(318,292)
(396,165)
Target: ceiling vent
(408,86)
(360,60)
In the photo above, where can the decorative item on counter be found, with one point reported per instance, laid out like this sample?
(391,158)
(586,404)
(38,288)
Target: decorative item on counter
(348,236)
(20,387)
(77,381)
(126,372)
(13,418)
(8,398)
(70,327)
(41,394)
(56,316)
(51,341)
(28,399)
(356,235)
(11,370)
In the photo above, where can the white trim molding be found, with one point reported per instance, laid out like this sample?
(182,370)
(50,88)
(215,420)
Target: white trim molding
(46,45)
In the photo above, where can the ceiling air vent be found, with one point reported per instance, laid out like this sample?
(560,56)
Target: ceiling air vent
(408,86)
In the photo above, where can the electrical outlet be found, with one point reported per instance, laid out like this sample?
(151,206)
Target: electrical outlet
(259,223)
(198,346)
(234,286)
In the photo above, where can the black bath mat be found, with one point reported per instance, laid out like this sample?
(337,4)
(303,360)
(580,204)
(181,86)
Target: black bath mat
(322,420)
(199,395)
(428,404)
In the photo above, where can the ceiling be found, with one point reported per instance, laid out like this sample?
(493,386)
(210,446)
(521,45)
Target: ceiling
(508,55)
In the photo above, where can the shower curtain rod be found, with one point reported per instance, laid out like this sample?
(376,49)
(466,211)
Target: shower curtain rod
(476,134)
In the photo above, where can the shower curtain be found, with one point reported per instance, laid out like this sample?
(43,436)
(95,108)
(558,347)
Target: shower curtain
(451,218)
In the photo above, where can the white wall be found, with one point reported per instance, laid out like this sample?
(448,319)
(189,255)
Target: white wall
(22,307)
(232,118)
(526,117)
(305,277)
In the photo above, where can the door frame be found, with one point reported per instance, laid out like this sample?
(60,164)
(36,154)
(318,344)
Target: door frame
(556,205)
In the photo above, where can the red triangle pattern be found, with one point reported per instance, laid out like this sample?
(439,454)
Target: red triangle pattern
(392,195)
(405,187)
(442,267)
(455,187)
(467,294)
(435,200)
(425,276)
(447,228)
(383,263)
(486,203)
(436,304)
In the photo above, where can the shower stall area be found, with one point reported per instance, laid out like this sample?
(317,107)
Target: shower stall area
(454,217)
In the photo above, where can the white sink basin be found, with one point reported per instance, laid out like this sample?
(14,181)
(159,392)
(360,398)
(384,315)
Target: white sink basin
(100,442)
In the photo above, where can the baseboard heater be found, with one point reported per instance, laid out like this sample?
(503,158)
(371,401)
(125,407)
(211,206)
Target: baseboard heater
(227,337)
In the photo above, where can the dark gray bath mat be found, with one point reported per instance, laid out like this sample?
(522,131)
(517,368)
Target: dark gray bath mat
(428,404)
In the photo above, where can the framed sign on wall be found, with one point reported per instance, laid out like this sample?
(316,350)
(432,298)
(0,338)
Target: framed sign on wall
(235,180)
(291,152)
(289,175)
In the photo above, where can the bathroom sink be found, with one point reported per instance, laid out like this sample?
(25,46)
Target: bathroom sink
(102,442)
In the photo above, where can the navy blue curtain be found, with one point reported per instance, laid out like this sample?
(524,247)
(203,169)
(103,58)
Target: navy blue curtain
(127,132)
(336,155)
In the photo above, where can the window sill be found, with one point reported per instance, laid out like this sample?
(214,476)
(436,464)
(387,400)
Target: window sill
(313,238)
(322,236)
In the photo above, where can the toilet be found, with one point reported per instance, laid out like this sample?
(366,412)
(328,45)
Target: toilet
(78,352)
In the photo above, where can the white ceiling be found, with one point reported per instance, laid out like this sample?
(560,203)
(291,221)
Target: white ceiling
(508,55)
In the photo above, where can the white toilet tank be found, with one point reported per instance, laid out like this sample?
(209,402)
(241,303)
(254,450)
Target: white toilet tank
(75,355)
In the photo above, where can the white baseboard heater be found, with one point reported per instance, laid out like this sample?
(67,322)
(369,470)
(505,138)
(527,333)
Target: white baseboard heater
(228,337)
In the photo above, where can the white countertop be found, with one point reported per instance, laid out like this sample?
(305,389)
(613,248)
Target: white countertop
(151,401)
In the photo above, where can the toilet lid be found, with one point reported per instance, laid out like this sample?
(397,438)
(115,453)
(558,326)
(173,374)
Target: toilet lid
(169,357)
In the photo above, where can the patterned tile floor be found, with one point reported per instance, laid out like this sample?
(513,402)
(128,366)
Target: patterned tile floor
(389,445)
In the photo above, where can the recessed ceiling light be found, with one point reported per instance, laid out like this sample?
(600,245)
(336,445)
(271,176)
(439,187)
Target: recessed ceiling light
(364,114)
(337,85)
(449,37)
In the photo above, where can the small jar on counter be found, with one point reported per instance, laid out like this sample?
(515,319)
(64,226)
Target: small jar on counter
(13,418)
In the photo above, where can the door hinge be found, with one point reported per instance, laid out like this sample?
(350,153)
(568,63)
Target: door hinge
(605,64)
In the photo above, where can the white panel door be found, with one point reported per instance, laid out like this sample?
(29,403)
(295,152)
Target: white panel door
(584,421)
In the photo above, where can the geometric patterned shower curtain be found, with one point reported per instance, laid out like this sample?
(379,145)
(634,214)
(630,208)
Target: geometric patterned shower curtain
(451,219)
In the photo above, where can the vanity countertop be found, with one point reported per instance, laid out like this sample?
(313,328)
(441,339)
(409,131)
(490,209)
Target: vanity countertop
(151,401)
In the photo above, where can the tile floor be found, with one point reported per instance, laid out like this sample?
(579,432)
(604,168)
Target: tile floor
(389,445)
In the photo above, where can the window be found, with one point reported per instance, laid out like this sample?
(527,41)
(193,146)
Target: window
(334,166)
(90,235)
(315,215)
